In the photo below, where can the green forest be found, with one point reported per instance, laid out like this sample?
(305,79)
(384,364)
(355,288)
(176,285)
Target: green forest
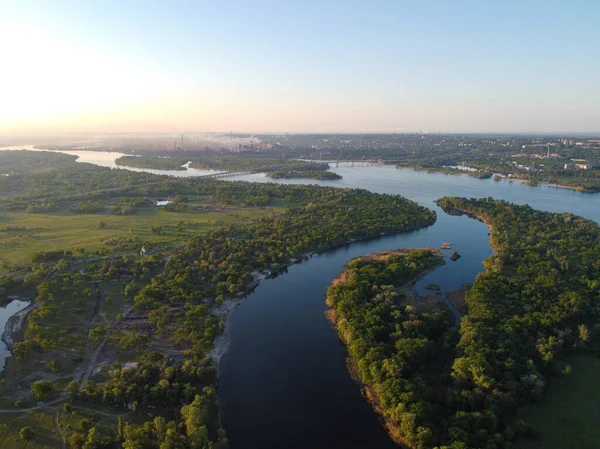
(396,351)
(534,307)
(320,175)
(151,320)
(153,162)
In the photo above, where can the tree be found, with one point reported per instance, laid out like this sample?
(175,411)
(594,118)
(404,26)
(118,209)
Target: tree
(73,389)
(25,349)
(26,433)
(584,333)
(76,440)
(41,389)
(194,416)
(54,365)
(93,439)
(102,225)
(120,429)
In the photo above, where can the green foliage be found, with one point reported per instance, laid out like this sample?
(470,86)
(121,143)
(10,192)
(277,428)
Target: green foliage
(393,349)
(26,433)
(49,256)
(293,174)
(87,207)
(254,162)
(54,365)
(42,389)
(152,162)
(535,302)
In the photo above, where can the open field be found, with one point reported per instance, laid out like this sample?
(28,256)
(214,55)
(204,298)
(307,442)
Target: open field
(567,417)
(65,230)
(42,423)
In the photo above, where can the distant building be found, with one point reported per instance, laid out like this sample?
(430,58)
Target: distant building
(569,166)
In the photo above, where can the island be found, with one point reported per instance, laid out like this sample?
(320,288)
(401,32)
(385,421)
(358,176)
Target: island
(396,345)
(152,162)
(294,174)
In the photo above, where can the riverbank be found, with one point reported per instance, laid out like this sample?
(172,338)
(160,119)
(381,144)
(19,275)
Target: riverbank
(229,304)
(457,298)
(354,307)
(14,331)
(548,184)
(484,175)
(222,311)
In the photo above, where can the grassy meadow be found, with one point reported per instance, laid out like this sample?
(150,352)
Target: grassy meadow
(568,416)
(42,423)
(22,233)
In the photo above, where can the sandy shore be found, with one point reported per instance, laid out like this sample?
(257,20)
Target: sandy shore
(222,311)
(15,329)
(230,303)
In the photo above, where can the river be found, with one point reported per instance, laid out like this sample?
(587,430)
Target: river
(8,309)
(284,381)
(107,159)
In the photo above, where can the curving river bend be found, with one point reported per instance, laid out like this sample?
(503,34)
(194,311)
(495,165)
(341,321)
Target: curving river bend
(284,381)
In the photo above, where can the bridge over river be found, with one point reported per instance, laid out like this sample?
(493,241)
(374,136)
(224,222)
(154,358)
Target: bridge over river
(229,173)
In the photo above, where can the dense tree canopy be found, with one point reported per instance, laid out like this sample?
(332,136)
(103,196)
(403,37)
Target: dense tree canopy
(536,301)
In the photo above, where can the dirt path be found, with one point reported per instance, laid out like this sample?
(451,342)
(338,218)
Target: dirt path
(94,359)
(99,298)
(63,442)
(32,409)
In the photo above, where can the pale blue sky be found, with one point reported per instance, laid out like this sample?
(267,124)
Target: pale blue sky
(385,66)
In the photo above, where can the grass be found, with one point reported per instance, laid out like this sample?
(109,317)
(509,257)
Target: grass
(568,416)
(113,303)
(42,423)
(64,230)
(81,421)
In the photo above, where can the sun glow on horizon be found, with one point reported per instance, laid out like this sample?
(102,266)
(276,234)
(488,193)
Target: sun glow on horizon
(187,66)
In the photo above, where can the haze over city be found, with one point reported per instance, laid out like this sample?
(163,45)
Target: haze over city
(263,66)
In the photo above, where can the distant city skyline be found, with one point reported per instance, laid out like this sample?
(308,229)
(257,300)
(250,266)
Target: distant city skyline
(465,67)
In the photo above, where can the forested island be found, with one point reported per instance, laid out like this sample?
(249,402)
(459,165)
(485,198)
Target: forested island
(257,162)
(124,321)
(447,170)
(295,174)
(395,346)
(152,162)
(535,306)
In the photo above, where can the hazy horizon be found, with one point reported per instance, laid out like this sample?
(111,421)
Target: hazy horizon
(383,67)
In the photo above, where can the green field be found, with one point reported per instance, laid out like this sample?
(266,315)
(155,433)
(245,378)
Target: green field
(42,423)
(65,230)
(568,416)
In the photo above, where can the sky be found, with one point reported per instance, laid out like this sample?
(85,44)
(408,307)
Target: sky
(299,66)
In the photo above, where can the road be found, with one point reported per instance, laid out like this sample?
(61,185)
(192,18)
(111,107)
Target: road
(94,359)
(33,409)
(63,441)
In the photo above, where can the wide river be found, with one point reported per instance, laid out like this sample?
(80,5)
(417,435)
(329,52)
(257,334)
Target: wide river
(284,381)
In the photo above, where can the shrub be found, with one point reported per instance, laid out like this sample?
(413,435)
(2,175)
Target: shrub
(26,433)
